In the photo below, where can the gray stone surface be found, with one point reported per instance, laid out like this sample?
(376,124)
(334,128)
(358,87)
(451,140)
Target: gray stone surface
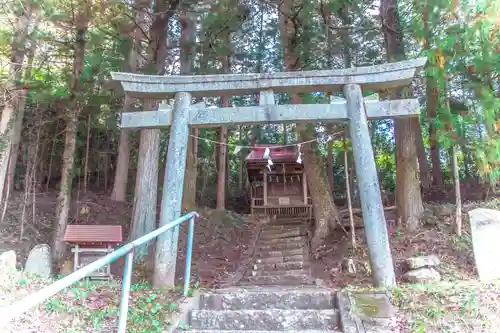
(485,229)
(8,261)
(39,261)
(280,259)
(422,275)
(269,319)
(282,245)
(299,299)
(278,280)
(280,265)
(378,77)
(171,203)
(281,240)
(368,184)
(248,115)
(373,308)
(283,253)
(272,234)
(423,261)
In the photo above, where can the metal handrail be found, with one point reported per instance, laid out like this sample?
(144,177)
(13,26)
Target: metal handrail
(19,307)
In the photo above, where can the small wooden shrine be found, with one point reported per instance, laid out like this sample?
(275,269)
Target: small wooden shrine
(278,184)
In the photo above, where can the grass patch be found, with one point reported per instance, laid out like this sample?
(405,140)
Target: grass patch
(446,307)
(93,306)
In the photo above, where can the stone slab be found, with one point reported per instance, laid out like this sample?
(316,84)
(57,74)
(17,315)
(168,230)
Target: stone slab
(182,316)
(275,260)
(284,253)
(292,300)
(378,77)
(270,114)
(485,228)
(269,319)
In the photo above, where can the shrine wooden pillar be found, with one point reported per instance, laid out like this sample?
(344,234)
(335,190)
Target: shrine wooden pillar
(304,187)
(264,181)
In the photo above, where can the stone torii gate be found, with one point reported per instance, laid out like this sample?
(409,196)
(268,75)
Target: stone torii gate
(354,110)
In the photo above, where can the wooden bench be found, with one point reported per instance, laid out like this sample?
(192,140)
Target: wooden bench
(91,242)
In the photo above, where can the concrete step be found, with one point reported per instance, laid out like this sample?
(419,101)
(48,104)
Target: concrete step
(267,234)
(278,280)
(280,265)
(275,260)
(296,299)
(289,272)
(268,320)
(281,240)
(282,246)
(282,253)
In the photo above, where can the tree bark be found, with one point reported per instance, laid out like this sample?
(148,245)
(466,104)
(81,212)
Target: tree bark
(187,43)
(222,171)
(432,95)
(119,191)
(408,196)
(325,211)
(72,112)
(423,165)
(146,185)
(18,129)
(458,197)
(15,94)
(146,188)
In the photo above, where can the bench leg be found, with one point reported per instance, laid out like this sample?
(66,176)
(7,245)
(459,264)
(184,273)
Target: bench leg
(76,263)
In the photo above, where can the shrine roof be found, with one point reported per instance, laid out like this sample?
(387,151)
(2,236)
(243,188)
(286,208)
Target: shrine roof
(278,153)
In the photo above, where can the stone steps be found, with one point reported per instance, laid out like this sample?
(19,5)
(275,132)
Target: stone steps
(299,299)
(286,272)
(281,240)
(282,253)
(280,246)
(278,280)
(280,266)
(275,260)
(280,234)
(268,319)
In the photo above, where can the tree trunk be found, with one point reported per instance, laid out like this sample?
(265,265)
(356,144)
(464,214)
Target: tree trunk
(325,211)
(16,138)
(187,42)
(423,165)
(119,191)
(146,188)
(146,184)
(15,94)
(408,196)
(458,197)
(72,112)
(432,95)
(222,171)
(242,162)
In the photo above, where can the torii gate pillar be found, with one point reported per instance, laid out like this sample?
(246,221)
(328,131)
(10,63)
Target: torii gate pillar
(354,110)
(367,178)
(171,203)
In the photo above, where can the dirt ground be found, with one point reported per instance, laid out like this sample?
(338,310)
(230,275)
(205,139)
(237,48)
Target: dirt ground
(435,236)
(220,240)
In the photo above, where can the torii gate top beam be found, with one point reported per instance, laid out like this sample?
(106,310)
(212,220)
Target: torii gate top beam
(376,78)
